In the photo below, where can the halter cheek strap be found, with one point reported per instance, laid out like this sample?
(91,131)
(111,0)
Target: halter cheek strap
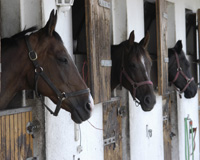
(134,85)
(40,73)
(179,71)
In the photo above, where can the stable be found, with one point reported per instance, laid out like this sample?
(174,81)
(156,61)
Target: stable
(118,129)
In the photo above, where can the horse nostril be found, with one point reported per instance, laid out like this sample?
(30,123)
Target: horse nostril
(88,107)
(147,100)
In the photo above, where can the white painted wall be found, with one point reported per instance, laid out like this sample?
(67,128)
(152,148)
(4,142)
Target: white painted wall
(143,147)
(60,134)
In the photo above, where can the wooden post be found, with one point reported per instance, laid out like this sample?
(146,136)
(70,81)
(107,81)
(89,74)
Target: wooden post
(98,48)
(162,50)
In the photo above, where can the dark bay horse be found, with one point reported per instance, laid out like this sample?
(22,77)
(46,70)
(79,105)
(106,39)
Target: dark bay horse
(131,65)
(179,71)
(40,62)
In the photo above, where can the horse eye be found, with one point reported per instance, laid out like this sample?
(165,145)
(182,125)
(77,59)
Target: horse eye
(62,60)
(132,65)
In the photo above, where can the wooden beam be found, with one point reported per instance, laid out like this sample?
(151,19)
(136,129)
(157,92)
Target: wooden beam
(162,50)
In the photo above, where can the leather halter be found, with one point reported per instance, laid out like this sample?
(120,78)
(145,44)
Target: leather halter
(179,71)
(39,73)
(134,84)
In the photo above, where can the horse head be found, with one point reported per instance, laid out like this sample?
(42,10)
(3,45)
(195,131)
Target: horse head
(179,71)
(131,68)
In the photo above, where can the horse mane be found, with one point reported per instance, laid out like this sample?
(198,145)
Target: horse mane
(12,39)
(24,32)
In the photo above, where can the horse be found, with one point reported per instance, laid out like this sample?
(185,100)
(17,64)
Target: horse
(131,66)
(40,62)
(179,71)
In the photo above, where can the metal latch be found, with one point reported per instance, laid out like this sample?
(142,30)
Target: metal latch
(121,111)
(32,158)
(32,128)
(106,63)
(108,141)
(104,3)
(165,118)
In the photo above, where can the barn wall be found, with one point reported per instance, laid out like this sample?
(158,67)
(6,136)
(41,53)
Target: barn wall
(150,147)
(60,131)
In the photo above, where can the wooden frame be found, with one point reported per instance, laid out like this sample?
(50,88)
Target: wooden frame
(98,49)
(162,50)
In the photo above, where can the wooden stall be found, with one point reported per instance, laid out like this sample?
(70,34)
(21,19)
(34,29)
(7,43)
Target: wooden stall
(15,142)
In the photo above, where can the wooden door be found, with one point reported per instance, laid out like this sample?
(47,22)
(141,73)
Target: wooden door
(162,50)
(112,133)
(98,14)
(15,143)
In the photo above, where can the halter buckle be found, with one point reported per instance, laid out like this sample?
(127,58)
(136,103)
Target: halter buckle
(32,55)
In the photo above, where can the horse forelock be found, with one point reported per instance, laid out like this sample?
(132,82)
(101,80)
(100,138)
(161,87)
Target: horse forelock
(137,51)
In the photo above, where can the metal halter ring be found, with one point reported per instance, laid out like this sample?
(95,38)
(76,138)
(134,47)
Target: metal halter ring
(38,70)
(179,69)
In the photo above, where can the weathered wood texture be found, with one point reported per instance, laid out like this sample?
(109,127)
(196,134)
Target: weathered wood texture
(162,50)
(15,143)
(112,128)
(167,127)
(98,48)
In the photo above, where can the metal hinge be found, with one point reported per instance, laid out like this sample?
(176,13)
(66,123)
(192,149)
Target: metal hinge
(104,3)
(108,141)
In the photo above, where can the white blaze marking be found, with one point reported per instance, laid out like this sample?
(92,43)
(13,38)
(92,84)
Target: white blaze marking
(142,60)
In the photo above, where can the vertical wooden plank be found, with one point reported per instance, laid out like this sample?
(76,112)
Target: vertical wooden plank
(7,137)
(31,139)
(3,137)
(162,50)
(12,138)
(23,136)
(16,137)
(112,128)
(19,134)
(98,49)
(27,136)
(167,127)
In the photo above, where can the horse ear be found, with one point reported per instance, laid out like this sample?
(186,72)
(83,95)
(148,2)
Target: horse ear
(51,23)
(145,41)
(131,38)
(178,46)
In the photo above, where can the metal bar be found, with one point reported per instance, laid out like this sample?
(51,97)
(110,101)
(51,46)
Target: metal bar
(14,111)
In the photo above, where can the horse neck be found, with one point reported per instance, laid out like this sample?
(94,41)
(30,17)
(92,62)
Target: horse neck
(15,67)
(116,56)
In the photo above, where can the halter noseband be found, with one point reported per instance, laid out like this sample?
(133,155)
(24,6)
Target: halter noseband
(134,84)
(39,73)
(179,71)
